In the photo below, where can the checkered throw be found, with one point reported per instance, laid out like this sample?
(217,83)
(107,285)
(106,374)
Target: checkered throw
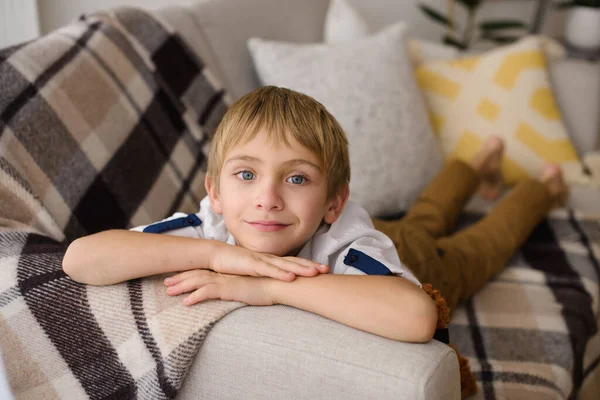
(103,124)
(532,332)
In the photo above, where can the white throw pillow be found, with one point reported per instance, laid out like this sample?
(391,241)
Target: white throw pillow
(344,23)
(369,86)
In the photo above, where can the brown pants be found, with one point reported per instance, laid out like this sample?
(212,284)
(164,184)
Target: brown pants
(460,264)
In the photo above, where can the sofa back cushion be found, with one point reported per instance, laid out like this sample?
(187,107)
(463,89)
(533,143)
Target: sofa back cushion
(219,29)
(107,121)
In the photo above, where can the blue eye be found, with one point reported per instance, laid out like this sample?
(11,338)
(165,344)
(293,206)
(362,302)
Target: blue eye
(246,175)
(297,179)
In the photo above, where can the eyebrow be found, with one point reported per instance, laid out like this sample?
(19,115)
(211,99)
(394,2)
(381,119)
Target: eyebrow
(296,161)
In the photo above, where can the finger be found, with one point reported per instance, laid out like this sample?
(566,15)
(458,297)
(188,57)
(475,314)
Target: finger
(190,284)
(175,279)
(322,268)
(265,268)
(286,264)
(205,292)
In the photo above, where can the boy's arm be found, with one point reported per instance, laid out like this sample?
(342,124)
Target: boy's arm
(115,256)
(388,306)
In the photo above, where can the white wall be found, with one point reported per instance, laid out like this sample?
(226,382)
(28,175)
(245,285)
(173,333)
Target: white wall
(56,13)
(18,21)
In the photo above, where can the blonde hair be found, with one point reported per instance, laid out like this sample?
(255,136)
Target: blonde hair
(283,113)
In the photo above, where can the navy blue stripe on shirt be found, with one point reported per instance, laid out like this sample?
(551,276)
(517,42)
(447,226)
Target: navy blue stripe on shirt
(442,335)
(365,263)
(177,223)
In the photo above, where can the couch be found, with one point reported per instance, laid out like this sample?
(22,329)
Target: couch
(281,352)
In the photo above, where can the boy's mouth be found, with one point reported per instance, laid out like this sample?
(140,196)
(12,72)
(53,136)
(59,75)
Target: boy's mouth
(268,226)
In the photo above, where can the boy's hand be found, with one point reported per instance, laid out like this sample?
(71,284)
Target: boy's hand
(235,260)
(211,285)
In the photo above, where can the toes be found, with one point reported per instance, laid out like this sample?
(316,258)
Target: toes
(551,171)
(489,193)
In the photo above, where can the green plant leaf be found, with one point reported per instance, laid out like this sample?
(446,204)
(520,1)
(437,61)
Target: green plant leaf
(470,4)
(564,4)
(436,16)
(453,42)
(501,39)
(501,24)
(578,3)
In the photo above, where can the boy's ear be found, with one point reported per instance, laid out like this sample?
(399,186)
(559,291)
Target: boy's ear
(336,205)
(213,194)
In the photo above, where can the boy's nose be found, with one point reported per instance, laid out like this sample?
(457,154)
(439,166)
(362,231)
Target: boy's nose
(269,197)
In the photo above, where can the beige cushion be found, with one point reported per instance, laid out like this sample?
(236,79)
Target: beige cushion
(219,30)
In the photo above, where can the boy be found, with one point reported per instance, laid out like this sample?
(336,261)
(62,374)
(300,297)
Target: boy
(277,207)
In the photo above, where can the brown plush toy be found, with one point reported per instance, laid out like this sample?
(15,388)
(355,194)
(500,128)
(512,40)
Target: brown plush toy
(468,386)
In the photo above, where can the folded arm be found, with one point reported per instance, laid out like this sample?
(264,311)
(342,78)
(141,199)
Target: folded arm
(114,256)
(391,307)
(388,306)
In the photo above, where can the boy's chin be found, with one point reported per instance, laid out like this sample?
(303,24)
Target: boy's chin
(269,248)
(274,251)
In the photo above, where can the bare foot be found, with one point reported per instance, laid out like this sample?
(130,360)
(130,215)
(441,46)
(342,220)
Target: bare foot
(552,178)
(487,163)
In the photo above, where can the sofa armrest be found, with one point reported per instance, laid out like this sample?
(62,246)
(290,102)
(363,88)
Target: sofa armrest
(281,352)
(574,80)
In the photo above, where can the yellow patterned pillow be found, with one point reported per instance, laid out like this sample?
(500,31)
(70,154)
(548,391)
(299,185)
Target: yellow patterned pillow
(504,92)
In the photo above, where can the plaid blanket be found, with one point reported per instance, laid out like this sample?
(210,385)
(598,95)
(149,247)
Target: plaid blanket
(103,124)
(113,111)
(532,332)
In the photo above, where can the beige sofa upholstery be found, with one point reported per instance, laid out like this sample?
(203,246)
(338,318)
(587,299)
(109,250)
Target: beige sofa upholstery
(283,353)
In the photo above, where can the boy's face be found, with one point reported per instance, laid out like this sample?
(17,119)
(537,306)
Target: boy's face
(273,197)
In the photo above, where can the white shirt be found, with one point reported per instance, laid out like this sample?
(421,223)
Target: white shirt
(351,245)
